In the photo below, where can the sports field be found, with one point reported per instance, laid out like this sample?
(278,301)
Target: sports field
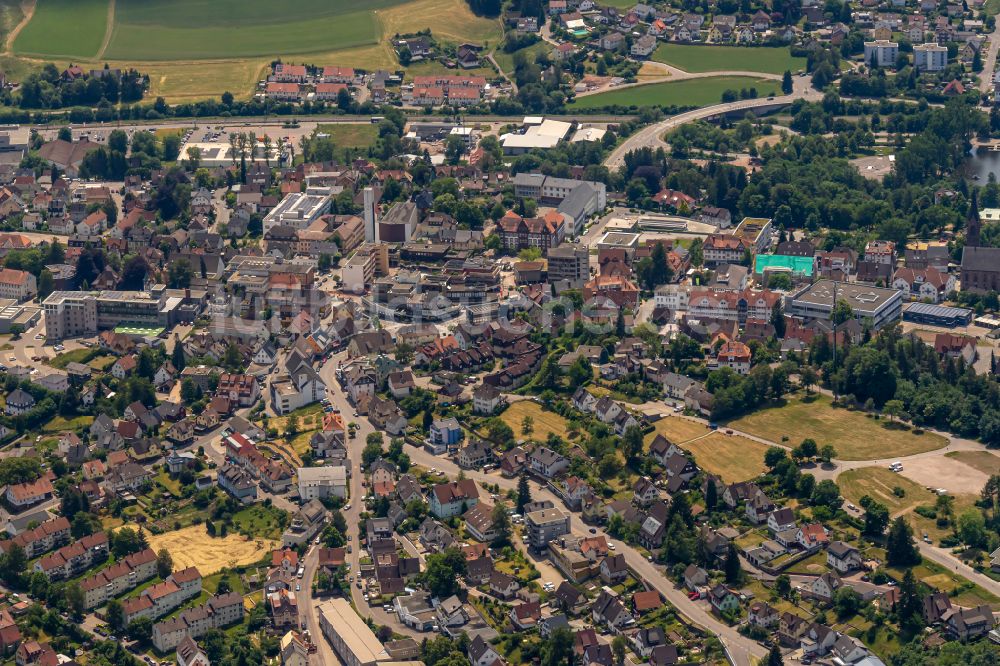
(691,92)
(694,58)
(64,28)
(854,435)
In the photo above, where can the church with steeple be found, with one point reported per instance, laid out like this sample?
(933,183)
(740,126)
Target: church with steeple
(980,271)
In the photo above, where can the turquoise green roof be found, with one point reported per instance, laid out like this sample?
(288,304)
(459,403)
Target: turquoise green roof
(798,265)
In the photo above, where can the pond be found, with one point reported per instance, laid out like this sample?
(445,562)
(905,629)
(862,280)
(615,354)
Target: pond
(982,163)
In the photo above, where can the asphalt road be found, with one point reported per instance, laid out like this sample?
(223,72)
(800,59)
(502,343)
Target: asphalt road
(743,650)
(651,135)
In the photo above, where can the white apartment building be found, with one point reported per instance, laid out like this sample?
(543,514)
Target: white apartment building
(930,57)
(320,482)
(881,53)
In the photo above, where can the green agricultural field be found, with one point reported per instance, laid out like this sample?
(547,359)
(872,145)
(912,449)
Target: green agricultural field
(694,58)
(64,28)
(691,92)
(197,29)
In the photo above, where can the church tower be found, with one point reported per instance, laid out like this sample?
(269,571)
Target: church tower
(973,225)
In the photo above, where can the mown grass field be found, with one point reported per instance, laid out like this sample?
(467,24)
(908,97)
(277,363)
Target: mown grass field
(11,14)
(691,92)
(984,461)
(730,457)
(676,429)
(694,58)
(544,422)
(854,435)
(351,135)
(67,28)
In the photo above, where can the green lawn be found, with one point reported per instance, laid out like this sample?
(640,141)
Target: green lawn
(195,29)
(506,60)
(59,424)
(695,58)
(351,135)
(260,521)
(64,28)
(936,576)
(854,435)
(76,356)
(692,92)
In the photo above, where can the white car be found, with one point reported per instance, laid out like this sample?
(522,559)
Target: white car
(611,546)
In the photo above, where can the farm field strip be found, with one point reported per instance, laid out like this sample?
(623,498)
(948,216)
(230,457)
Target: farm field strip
(64,28)
(694,58)
(690,92)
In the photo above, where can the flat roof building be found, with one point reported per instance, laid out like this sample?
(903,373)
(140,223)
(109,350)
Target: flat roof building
(297,210)
(72,313)
(816,301)
(353,641)
(755,230)
(618,239)
(937,315)
(783,263)
(545,525)
(544,135)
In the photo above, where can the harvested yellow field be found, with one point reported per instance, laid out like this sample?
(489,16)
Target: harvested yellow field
(450,20)
(677,429)
(192,547)
(543,422)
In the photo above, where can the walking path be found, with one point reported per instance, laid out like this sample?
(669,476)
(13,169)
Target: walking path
(990,61)
(109,28)
(28,9)
(942,556)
